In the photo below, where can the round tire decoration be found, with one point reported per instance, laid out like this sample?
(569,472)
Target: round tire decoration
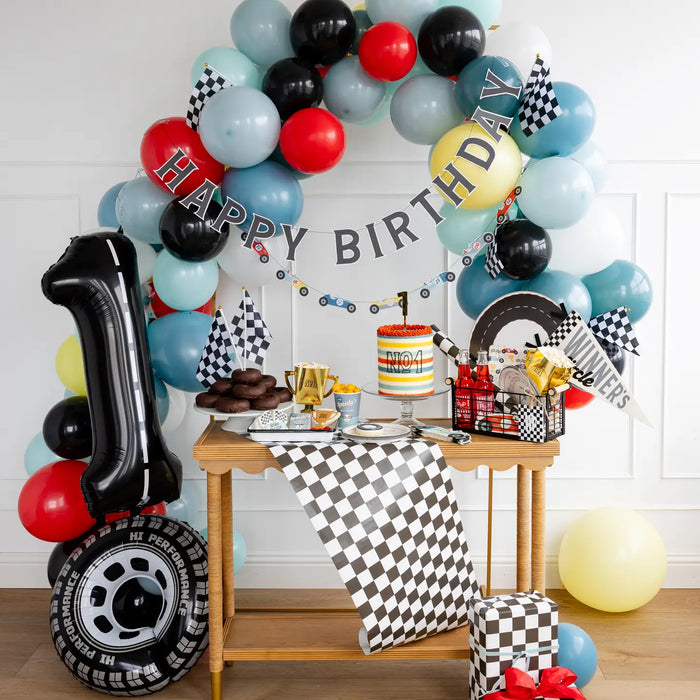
(513,320)
(129,608)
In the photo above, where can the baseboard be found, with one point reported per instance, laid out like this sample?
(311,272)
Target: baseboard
(284,570)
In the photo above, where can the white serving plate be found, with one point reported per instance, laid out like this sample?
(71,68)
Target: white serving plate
(392,431)
(292,435)
(239,422)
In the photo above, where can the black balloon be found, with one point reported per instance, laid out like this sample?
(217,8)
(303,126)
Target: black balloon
(67,430)
(293,84)
(524,248)
(449,38)
(322,31)
(131,467)
(615,353)
(190,238)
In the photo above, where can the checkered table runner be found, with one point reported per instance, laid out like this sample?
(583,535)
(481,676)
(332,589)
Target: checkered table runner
(387,515)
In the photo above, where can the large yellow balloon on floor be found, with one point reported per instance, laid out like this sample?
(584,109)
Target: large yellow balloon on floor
(492,183)
(69,366)
(612,559)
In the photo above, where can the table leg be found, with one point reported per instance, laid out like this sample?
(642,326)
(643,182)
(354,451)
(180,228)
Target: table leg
(489,535)
(538,517)
(216,613)
(227,543)
(523,533)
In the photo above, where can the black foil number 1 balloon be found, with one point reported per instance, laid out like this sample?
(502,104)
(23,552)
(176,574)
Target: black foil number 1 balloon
(97,281)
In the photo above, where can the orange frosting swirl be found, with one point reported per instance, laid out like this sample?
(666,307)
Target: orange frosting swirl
(397,330)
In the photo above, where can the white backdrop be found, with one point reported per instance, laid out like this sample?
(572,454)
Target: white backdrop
(83,80)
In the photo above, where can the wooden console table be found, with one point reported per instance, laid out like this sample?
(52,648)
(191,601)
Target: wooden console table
(331,634)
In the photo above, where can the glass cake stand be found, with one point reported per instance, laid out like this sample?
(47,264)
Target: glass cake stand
(406,417)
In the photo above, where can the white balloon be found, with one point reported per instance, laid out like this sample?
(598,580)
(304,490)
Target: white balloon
(593,159)
(519,42)
(146,259)
(244,266)
(176,411)
(591,244)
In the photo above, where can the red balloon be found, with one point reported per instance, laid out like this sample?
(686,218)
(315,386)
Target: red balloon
(157,509)
(51,505)
(162,141)
(387,51)
(323,70)
(312,140)
(575,398)
(160,308)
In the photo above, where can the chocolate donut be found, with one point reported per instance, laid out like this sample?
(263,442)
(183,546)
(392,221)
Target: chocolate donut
(269,381)
(284,393)
(206,400)
(221,386)
(227,404)
(246,376)
(248,391)
(265,402)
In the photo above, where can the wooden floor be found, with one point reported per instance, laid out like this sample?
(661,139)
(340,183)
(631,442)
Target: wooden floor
(649,654)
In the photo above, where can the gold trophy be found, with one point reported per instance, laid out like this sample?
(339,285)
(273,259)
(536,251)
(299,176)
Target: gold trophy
(309,384)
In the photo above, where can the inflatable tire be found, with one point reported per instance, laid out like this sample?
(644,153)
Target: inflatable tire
(129,608)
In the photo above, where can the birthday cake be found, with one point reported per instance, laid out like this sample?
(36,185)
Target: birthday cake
(405,357)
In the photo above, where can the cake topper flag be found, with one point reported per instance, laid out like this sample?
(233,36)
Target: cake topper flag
(404,305)
(250,332)
(217,359)
(539,105)
(615,327)
(209,83)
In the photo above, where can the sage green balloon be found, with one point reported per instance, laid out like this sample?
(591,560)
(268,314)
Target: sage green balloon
(462,226)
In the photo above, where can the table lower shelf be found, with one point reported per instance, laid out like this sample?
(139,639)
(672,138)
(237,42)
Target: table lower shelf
(323,636)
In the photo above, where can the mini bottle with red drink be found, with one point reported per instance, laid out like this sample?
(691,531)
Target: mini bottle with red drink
(464,392)
(483,394)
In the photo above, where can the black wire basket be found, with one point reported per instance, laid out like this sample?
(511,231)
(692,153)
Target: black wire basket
(514,416)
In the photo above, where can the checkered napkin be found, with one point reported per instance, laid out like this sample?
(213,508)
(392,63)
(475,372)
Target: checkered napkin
(387,515)
(539,105)
(209,83)
(615,327)
(516,629)
(218,355)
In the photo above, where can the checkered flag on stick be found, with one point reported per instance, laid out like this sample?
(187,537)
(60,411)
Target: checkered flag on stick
(217,359)
(445,345)
(209,83)
(539,105)
(615,327)
(250,332)
(493,263)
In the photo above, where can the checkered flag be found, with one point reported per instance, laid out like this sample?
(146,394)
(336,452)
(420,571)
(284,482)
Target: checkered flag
(217,359)
(250,332)
(570,322)
(387,515)
(615,327)
(493,263)
(445,345)
(539,105)
(209,83)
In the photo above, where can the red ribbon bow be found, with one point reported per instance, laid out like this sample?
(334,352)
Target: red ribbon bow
(554,683)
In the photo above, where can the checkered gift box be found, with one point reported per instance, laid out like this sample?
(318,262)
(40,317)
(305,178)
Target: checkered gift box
(516,629)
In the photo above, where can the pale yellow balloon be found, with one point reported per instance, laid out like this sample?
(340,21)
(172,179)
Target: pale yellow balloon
(69,366)
(361,6)
(493,184)
(612,559)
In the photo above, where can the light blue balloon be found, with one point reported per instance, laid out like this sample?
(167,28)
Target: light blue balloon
(557,192)
(176,342)
(565,134)
(268,189)
(139,207)
(472,80)
(38,455)
(462,226)
(409,13)
(162,400)
(577,652)
(486,11)
(240,549)
(562,288)
(349,93)
(476,290)
(419,68)
(232,64)
(380,115)
(424,108)
(184,285)
(621,284)
(591,157)
(239,127)
(186,508)
(106,209)
(260,29)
